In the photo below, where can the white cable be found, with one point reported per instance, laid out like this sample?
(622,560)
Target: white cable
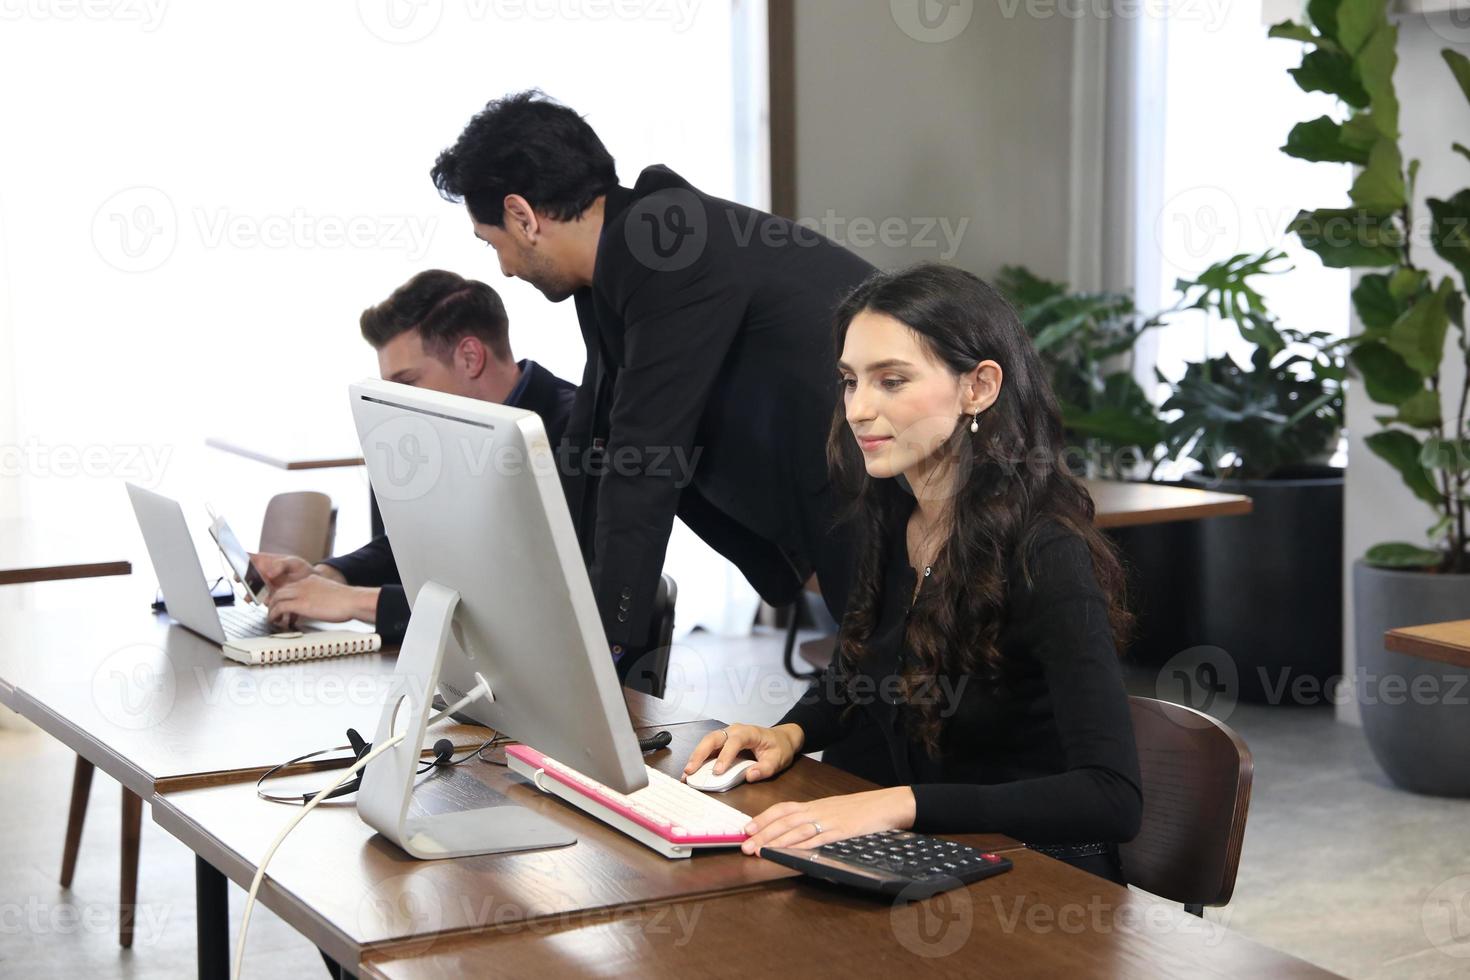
(482,689)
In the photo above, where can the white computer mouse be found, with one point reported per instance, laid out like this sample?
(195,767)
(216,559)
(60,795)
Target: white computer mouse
(704,777)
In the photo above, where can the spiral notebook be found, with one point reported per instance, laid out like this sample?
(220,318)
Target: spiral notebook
(304,646)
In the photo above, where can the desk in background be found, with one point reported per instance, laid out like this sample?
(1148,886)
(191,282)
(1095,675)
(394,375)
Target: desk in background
(291,454)
(1446,642)
(30,553)
(1126,504)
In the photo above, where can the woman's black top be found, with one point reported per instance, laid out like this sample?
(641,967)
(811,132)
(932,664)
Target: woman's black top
(1046,757)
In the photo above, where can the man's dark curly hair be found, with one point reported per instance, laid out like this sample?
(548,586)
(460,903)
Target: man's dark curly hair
(526,144)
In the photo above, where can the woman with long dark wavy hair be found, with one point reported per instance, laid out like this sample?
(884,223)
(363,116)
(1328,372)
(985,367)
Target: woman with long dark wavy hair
(976,675)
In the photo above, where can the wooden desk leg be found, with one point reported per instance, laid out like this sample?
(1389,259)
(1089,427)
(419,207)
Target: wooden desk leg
(81,789)
(212,920)
(132,826)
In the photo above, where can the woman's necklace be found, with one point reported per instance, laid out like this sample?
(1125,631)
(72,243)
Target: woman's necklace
(922,552)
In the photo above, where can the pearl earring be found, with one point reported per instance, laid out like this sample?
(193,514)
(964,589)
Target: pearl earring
(975,423)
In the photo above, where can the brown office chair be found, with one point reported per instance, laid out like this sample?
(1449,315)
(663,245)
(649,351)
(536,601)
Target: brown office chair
(1196,789)
(302,523)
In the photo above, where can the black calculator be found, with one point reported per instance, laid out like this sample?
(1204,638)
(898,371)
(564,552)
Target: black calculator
(893,862)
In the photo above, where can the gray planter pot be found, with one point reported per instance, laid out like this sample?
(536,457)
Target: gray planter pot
(1416,712)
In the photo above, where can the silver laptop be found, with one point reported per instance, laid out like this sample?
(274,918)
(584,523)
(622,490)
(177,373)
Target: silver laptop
(181,577)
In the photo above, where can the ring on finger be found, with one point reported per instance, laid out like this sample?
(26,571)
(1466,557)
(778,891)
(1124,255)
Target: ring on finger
(817,828)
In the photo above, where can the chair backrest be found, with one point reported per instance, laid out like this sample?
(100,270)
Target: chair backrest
(1196,789)
(303,523)
(651,670)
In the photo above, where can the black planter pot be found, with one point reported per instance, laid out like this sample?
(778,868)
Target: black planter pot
(1158,559)
(1268,585)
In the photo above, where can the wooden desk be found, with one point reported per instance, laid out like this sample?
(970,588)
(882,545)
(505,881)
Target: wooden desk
(29,553)
(156,706)
(347,890)
(1043,919)
(1122,504)
(1445,642)
(288,455)
(160,709)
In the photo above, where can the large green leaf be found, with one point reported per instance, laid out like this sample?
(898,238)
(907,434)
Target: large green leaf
(1293,31)
(1055,333)
(1330,72)
(1323,15)
(1226,289)
(1445,454)
(1460,67)
(1449,230)
(1024,288)
(1321,140)
(1260,329)
(1406,284)
(1401,451)
(1419,411)
(1375,64)
(1348,237)
(1379,187)
(1401,554)
(1117,426)
(1388,380)
(1356,22)
(1418,335)
(1263,417)
(1375,305)
(1360,132)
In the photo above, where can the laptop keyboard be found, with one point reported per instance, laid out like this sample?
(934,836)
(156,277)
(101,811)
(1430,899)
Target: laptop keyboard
(241,624)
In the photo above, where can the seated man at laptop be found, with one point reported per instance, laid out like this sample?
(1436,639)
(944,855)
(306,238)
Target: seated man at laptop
(446,333)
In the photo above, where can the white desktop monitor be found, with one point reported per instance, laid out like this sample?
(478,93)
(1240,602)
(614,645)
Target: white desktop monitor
(471,500)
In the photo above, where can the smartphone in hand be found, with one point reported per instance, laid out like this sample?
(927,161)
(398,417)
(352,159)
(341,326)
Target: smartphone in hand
(237,558)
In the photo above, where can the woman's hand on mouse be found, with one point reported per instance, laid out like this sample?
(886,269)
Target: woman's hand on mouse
(774,749)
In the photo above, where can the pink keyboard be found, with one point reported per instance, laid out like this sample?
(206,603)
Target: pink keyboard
(668,815)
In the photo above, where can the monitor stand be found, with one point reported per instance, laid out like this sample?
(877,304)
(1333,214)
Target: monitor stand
(387,782)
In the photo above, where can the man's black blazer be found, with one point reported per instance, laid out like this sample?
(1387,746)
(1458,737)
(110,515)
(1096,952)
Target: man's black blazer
(709,389)
(373,564)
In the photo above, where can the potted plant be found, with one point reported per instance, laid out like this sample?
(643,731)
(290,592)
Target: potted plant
(1087,339)
(1113,431)
(1422,742)
(1268,431)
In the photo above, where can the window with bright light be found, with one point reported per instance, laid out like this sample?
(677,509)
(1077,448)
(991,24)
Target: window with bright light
(187,244)
(1227,105)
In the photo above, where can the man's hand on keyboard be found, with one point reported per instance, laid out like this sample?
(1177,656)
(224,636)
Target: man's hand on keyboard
(774,749)
(279,570)
(318,597)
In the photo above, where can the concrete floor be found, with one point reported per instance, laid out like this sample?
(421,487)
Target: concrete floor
(1339,868)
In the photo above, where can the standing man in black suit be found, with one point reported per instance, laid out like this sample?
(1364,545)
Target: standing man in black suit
(710,381)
